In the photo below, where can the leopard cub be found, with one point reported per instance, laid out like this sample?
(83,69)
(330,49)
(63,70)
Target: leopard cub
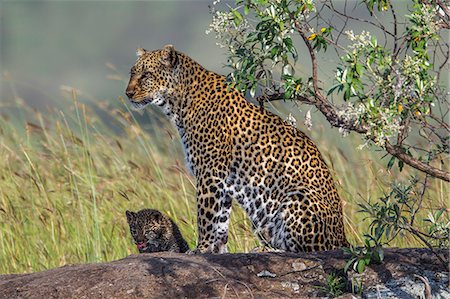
(153,232)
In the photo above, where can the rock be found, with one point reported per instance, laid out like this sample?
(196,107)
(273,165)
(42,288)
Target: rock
(174,275)
(293,285)
(266,273)
(298,266)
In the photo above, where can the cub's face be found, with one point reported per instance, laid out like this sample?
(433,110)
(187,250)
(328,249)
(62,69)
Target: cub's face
(152,77)
(146,230)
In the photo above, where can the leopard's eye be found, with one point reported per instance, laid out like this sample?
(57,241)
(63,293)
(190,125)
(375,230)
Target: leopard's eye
(150,234)
(146,74)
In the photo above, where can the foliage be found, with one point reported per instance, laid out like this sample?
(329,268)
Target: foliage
(388,83)
(438,229)
(369,254)
(338,283)
(335,285)
(395,214)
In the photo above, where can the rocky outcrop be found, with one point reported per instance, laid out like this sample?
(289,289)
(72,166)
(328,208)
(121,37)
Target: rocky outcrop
(252,275)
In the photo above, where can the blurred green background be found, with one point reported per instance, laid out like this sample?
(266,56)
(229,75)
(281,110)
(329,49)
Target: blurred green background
(74,157)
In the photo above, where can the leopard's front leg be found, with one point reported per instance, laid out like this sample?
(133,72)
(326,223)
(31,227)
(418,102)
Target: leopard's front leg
(213,215)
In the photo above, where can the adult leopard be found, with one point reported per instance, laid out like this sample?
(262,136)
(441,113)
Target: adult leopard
(238,151)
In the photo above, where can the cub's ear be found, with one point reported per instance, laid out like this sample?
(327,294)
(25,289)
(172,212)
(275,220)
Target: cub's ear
(169,56)
(130,215)
(140,52)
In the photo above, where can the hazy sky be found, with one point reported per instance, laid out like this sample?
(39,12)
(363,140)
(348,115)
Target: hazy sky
(48,44)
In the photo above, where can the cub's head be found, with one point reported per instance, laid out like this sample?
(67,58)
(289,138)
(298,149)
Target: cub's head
(147,227)
(153,77)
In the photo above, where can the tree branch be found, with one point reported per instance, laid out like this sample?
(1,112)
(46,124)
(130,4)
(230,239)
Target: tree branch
(321,103)
(400,154)
(331,114)
(312,54)
(446,17)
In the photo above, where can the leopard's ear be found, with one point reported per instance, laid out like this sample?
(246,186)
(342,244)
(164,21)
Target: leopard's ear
(169,56)
(130,216)
(140,52)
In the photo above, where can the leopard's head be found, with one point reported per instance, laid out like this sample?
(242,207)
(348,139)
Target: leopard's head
(147,229)
(153,78)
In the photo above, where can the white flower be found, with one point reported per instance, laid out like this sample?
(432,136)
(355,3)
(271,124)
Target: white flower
(308,120)
(360,41)
(291,120)
(225,28)
(425,19)
(343,131)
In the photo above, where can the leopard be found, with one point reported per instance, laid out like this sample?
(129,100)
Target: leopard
(153,231)
(238,152)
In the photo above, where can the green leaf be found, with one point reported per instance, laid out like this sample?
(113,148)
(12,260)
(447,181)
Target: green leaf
(391,163)
(370,4)
(349,263)
(367,259)
(388,231)
(288,94)
(246,9)
(347,92)
(333,88)
(438,214)
(344,74)
(275,51)
(237,17)
(361,265)
(374,41)
(359,68)
(288,42)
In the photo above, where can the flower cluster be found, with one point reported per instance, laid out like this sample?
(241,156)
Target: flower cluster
(383,122)
(226,29)
(360,41)
(308,120)
(261,49)
(424,20)
(351,114)
(382,92)
(291,120)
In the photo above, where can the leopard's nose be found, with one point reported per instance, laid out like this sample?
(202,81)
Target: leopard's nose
(130,93)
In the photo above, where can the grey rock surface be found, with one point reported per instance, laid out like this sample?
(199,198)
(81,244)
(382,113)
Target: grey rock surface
(174,275)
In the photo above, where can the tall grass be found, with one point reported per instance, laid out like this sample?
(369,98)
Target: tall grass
(67,177)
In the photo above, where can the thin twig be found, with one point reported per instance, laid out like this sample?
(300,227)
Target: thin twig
(416,233)
(394,16)
(379,26)
(419,205)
